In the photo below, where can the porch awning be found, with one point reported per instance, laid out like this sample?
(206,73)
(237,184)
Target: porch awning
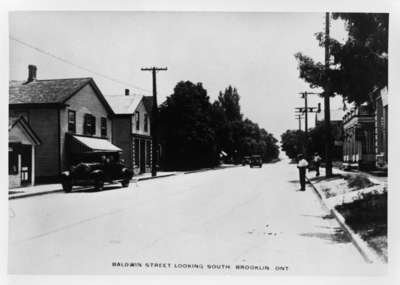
(89,144)
(20,132)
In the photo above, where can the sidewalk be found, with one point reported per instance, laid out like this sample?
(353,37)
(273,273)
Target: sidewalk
(336,195)
(43,189)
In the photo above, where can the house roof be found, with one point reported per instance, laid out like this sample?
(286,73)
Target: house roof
(148,103)
(50,91)
(124,104)
(45,91)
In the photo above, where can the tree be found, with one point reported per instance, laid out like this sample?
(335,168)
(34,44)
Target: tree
(193,131)
(186,128)
(292,142)
(237,136)
(229,101)
(359,66)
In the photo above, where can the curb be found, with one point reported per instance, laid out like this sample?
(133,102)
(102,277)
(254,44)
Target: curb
(211,168)
(155,177)
(362,246)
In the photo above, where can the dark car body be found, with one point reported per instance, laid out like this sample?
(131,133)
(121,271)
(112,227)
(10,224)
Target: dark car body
(96,174)
(255,160)
(246,160)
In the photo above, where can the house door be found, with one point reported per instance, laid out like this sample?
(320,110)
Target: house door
(26,164)
(142,156)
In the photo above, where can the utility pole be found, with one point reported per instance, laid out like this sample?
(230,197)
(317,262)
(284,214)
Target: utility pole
(299,117)
(304,96)
(327,115)
(307,109)
(154,118)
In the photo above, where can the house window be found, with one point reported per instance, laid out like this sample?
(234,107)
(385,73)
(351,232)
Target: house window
(137,117)
(103,127)
(89,124)
(146,122)
(71,121)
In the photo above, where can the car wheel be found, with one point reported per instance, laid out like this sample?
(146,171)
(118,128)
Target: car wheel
(67,186)
(125,183)
(99,185)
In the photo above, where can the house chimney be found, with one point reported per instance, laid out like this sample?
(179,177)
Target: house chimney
(126,92)
(31,73)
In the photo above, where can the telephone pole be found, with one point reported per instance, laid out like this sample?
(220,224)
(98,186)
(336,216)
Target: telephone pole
(307,109)
(154,118)
(304,96)
(299,117)
(327,115)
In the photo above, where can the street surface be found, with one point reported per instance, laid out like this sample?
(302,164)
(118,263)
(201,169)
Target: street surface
(235,216)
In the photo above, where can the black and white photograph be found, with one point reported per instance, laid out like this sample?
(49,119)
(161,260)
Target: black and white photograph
(198,142)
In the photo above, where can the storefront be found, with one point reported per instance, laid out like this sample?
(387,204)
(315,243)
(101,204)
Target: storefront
(90,149)
(381,130)
(142,155)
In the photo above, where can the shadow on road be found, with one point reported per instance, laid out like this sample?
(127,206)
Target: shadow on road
(329,216)
(337,236)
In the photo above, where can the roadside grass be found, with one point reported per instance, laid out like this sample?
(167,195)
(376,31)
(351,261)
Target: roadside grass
(362,203)
(342,184)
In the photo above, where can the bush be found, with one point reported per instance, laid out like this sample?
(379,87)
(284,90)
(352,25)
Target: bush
(358,181)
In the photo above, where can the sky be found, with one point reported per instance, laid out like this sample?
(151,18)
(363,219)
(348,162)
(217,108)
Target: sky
(253,52)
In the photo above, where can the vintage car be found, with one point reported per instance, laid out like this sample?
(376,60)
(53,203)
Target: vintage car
(255,160)
(246,160)
(96,173)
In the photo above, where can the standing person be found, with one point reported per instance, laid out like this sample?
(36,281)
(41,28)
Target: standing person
(317,161)
(302,166)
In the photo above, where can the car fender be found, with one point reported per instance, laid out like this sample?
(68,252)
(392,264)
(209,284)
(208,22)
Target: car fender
(127,173)
(66,175)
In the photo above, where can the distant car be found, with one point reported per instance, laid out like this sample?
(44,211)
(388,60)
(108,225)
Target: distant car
(255,160)
(96,174)
(246,160)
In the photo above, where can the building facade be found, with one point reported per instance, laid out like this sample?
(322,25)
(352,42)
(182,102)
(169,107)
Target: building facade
(59,111)
(131,129)
(359,137)
(381,129)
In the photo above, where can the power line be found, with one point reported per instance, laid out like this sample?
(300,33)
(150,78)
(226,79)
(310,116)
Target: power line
(76,65)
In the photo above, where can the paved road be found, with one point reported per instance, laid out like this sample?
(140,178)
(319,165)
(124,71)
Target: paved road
(235,216)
